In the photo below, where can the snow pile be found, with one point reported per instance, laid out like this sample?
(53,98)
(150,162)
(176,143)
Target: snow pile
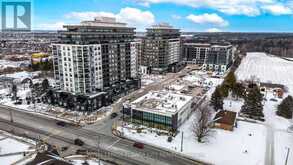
(268,69)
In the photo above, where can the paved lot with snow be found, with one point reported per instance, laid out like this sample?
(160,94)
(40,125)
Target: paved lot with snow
(266,68)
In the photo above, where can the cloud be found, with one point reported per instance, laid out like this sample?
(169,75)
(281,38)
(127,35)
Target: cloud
(231,7)
(50,26)
(133,16)
(174,16)
(136,17)
(207,18)
(277,9)
(213,30)
(88,15)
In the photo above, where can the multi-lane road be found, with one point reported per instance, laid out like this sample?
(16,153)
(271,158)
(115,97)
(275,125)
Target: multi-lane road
(107,147)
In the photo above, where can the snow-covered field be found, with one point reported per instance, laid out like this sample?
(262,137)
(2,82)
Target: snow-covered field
(276,70)
(266,68)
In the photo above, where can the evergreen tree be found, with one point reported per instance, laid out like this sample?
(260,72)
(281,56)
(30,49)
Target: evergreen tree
(253,107)
(238,91)
(224,90)
(217,99)
(14,91)
(45,85)
(285,109)
(230,80)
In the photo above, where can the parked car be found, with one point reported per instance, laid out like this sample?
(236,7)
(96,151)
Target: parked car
(272,99)
(113,115)
(61,123)
(170,139)
(78,142)
(138,145)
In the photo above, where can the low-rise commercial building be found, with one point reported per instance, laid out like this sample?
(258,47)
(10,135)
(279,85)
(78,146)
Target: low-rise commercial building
(161,109)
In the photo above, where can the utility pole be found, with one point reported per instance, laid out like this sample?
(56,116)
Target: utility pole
(11,117)
(99,141)
(287,156)
(182,142)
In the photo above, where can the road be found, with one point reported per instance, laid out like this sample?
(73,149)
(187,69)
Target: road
(108,147)
(270,145)
(170,77)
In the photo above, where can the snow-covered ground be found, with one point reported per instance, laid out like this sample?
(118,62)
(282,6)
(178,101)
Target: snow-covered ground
(147,79)
(223,148)
(45,109)
(266,68)
(22,75)
(80,159)
(201,78)
(281,147)
(12,64)
(9,145)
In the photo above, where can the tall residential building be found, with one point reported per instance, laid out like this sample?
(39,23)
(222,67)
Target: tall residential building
(195,53)
(219,58)
(96,58)
(214,57)
(161,48)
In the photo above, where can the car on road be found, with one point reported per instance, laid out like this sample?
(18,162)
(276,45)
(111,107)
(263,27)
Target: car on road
(138,145)
(113,115)
(81,152)
(64,148)
(274,100)
(61,123)
(78,142)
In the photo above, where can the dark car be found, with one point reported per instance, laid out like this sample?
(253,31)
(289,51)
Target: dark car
(78,142)
(170,139)
(64,148)
(138,145)
(81,152)
(113,115)
(272,99)
(18,103)
(61,123)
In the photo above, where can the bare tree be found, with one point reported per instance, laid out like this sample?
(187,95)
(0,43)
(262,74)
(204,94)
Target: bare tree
(202,122)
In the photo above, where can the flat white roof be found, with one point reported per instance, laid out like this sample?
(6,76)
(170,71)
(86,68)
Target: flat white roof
(162,102)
